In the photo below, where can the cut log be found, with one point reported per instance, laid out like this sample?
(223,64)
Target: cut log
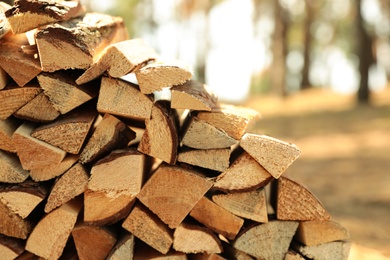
(28,14)
(93,242)
(4,24)
(160,139)
(7,129)
(193,95)
(76,43)
(217,218)
(193,239)
(273,154)
(4,78)
(11,170)
(63,91)
(13,225)
(295,202)
(144,251)
(292,255)
(250,205)
(20,67)
(124,247)
(267,241)
(233,120)
(122,98)
(244,174)
(53,171)
(69,131)
(110,134)
(149,228)
(71,184)
(213,159)
(329,251)
(163,193)
(33,153)
(231,252)
(11,248)
(119,59)
(22,198)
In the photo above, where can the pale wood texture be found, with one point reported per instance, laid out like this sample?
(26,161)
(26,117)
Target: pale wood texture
(4,78)
(7,129)
(53,171)
(13,225)
(190,238)
(124,247)
(33,153)
(122,98)
(76,43)
(213,159)
(160,139)
(163,193)
(119,59)
(267,241)
(193,95)
(250,205)
(230,252)
(11,170)
(149,228)
(10,248)
(295,202)
(49,236)
(292,255)
(330,251)
(93,242)
(68,186)
(273,154)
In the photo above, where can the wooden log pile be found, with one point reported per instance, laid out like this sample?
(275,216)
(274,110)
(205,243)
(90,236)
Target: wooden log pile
(93,165)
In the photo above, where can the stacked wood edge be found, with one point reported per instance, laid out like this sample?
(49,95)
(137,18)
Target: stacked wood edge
(96,163)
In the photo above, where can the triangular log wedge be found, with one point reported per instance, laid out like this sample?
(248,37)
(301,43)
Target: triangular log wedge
(124,247)
(149,228)
(13,225)
(7,129)
(34,153)
(193,239)
(93,242)
(26,15)
(250,205)
(110,133)
(76,43)
(217,218)
(156,76)
(119,59)
(329,251)
(244,174)
(231,252)
(69,131)
(11,170)
(71,184)
(124,99)
(160,139)
(23,198)
(213,159)
(163,193)
(10,247)
(267,241)
(48,239)
(193,95)
(271,153)
(295,202)
(22,68)
(53,171)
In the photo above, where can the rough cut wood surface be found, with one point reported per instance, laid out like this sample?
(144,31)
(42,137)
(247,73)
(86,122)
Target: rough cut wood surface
(213,159)
(11,248)
(124,247)
(53,171)
(13,225)
(11,170)
(4,78)
(328,251)
(7,129)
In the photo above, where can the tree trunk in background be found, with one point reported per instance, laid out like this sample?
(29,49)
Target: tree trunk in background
(307,44)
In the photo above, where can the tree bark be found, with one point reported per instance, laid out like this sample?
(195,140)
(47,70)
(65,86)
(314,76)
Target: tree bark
(309,5)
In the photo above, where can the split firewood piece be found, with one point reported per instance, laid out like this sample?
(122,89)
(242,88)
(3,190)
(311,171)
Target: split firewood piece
(7,129)
(50,235)
(20,67)
(267,241)
(273,154)
(207,256)
(33,153)
(292,255)
(144,251)
(22,198)
(110,133)
(317,232)
(213,159)
(76,43)
(39,109)
(71,184)
(122,98)
(124,247)
(4,78)
(193,95)
(244,174)
(93,242)
(201,135)
(149,228)
(13,97)
(250,205)
(28,14)
(163,193)
(53,171)
(4,24)
(11,170)
(231,252)
(63,91)
(69,131)
(10,247)
(233,120)
(295,202)
(160,139)
(333,250)
(119,59)
(13,225)
(192,239)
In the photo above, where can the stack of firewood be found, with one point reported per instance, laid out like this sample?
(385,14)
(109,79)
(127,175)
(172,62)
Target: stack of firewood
(93,165)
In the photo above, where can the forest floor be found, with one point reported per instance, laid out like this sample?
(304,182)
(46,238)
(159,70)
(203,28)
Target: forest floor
(345,158)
